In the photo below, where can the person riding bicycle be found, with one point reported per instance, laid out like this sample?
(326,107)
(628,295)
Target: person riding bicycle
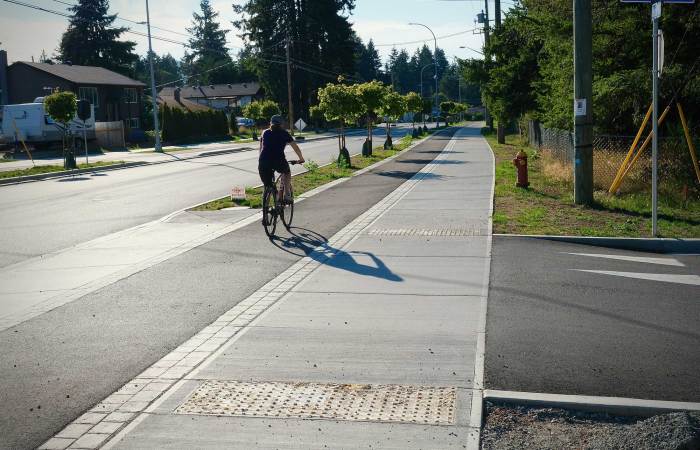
(272,144)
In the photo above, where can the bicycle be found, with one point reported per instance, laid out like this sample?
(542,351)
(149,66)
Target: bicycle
(272,208)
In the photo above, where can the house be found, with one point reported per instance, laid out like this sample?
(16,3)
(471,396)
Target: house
(215,96)
(114,96)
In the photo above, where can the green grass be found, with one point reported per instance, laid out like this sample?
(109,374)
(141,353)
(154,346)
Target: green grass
(547,207)
(37,170)
(314,177)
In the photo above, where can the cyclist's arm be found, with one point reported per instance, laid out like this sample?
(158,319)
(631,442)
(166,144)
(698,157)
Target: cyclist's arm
(297,150)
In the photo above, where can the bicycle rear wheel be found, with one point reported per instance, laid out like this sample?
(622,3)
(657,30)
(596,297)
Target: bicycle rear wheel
(269,211)
(287,214)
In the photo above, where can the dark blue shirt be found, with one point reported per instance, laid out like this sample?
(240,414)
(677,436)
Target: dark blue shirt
(273,142)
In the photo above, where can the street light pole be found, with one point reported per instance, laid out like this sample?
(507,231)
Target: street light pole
(154,94)
(655,15)
(421,85)
(437,116)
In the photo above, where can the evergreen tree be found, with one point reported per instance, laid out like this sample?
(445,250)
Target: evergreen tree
(368,63)
(321,45)
(91,40)
(208,49)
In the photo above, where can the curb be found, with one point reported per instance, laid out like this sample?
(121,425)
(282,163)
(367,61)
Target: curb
(650,245)
(67,173)
(590,403)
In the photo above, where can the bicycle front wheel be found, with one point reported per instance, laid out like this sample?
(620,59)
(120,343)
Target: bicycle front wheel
(269,211)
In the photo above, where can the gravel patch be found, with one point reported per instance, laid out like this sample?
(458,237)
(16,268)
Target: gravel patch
(518,427)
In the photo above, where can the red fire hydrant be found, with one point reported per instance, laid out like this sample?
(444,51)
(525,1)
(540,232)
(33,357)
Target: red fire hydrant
(520,162)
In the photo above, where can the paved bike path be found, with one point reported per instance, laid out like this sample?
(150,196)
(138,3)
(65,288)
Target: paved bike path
(376,331)
(58,365)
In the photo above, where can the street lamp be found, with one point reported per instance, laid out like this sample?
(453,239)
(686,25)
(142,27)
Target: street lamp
(437,117)
(154,94)
(472,49)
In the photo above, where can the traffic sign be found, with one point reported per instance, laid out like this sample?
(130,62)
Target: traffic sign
(300,124)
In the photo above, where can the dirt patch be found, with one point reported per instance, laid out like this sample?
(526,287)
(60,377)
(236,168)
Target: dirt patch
(520,427)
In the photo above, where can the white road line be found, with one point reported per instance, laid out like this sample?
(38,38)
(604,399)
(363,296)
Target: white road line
(639,259)
(667,278)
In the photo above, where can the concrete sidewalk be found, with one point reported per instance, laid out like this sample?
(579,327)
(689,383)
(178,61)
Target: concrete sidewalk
(374,339)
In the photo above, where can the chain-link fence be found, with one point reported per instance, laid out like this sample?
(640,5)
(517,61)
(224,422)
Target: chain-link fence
(675,163)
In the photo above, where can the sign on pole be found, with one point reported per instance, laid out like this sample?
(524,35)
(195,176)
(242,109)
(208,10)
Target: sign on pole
(300,124)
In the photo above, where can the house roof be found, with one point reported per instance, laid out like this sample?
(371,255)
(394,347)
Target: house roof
(183,103)
(214,91)
(84,74)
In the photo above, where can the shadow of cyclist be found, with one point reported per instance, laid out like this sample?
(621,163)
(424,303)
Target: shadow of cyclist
(304,242)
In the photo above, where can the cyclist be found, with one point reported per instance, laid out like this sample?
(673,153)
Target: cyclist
(272,144)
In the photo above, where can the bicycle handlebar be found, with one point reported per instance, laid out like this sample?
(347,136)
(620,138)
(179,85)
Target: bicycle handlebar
(293,161)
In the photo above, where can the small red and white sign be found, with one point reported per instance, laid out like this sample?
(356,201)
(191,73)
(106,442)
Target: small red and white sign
(238,193)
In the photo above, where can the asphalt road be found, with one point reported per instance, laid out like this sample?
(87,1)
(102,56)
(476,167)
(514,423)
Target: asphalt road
(553,328)
(60,364)
(46,216)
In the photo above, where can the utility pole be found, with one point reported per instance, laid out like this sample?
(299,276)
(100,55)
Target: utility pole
(583,90)
(486,23)
(154,94)
(655,15)
(497,12)
(289,89)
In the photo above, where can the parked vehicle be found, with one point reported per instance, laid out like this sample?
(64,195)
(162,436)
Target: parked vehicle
(30,123)
(245,122)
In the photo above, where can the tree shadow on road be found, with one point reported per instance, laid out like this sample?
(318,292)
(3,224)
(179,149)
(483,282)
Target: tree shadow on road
(304,242)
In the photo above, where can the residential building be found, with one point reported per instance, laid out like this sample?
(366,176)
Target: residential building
(114,96)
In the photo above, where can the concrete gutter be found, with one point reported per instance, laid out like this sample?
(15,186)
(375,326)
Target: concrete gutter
(649,245)
(611,405)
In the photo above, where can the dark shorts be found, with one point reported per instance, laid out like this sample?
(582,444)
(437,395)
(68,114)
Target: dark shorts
(267,170)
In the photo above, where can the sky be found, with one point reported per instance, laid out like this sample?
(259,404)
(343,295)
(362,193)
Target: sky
(25,32)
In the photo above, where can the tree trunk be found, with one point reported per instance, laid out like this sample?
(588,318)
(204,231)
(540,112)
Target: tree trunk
(501,133)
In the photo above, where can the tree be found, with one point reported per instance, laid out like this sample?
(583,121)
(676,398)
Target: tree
(446,109)
(414,105)
(393,107)
(91,40)
(207,48)
(321,45)
(368,65)
(316,116)
(340,103)
(371,96)
(261,111)
(62,107)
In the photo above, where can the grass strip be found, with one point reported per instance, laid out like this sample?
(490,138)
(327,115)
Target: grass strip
(314,177)
(547,206)
(37,170)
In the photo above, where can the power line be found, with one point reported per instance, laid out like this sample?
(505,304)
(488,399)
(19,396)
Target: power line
(130,20)
(427,40)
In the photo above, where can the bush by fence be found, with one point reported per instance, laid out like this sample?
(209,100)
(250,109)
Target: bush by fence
(675,164)
(179,125)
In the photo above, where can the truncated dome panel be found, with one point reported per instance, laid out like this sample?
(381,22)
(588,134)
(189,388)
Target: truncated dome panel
(358,402)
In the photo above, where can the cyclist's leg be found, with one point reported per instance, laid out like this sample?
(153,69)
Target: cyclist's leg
(267,174)
(285,187)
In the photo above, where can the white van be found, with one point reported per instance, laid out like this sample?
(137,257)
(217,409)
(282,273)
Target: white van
(30,123)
